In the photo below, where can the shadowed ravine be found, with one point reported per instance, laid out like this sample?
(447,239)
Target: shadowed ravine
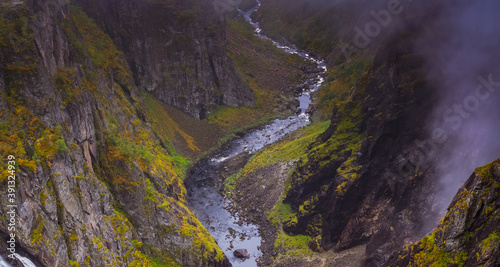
(205,181)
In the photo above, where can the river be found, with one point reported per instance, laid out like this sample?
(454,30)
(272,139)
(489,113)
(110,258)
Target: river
(203,183)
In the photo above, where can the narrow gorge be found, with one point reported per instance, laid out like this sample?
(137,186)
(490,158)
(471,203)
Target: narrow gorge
(249,133)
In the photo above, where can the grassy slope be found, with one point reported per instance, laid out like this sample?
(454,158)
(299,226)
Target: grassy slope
(308,24)
(271,73)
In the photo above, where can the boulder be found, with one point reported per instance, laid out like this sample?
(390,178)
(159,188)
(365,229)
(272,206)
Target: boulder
(241,253)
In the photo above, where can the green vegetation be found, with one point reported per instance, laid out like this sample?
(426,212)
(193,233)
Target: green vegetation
(487,173)
(282,214)
(344,145)
(433,254)
(127,145)
(163,124)
(340,83)
(37,233)
(129,151)
(490,243)
(342,91)
(265,68)
(17,64)
(433,250)
(291,148)
(308,24)
(16,36)
(294,245)
(61,145)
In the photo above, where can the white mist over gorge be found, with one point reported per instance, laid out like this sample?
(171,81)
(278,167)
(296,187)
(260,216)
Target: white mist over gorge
(462,55)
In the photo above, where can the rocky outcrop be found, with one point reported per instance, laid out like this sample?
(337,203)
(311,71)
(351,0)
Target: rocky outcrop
(241,253)
(469,234)
(176,51)
(361,183)
(97,181)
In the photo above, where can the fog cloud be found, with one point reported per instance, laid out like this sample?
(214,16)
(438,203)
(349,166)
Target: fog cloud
(462,62)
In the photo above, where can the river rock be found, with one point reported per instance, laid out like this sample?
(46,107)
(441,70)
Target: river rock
(241,253)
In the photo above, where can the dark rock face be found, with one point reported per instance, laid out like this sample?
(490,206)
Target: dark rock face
(469,234)
(241,253)
(176,51)
(89,192)
(388,199)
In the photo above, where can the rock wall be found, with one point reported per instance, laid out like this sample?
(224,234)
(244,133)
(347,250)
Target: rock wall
(97,181)
(360,183)
(176,51)
(468,235)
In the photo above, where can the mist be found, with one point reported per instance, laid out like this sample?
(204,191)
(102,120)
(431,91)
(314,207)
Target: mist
(462,62)
(460,47)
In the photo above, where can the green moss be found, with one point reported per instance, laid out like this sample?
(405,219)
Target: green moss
(293,147)
(4,127)
(43,197)
(150,191)
(346,141)
(73,238)
(65,81)
(165,205)
(165,126)
(141,259)
(490,243)
(15,30)
(294,245)
(282,214)
(230,183)
(432,253)
(307,206)
(487,172)
(37,233)
(130,151)
(255,59)
(201,238)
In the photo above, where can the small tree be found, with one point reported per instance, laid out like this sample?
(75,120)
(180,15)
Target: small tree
(61,146)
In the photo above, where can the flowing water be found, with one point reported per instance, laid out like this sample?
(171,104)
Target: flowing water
(25,261)
(203,184)
(3,263)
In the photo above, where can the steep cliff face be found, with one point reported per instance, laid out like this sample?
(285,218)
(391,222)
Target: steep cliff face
(469,234)
(372,177)
(98,182)
(176,51)
(362,166)
(357,180)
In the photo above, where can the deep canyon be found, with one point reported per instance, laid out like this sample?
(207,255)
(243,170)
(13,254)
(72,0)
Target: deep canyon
(308,133)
